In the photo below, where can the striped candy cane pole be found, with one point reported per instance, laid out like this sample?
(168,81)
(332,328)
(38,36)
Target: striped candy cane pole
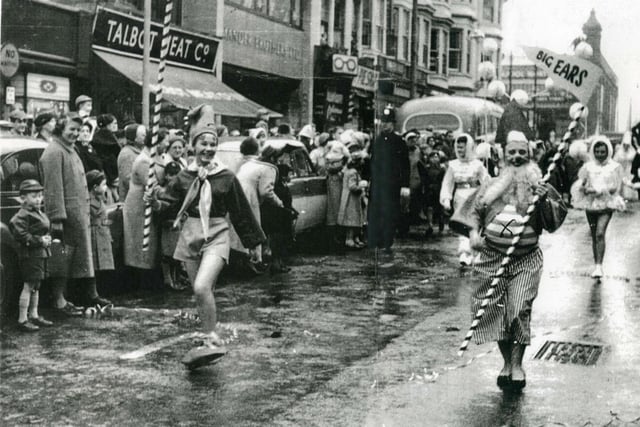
(151,177)
(580,112)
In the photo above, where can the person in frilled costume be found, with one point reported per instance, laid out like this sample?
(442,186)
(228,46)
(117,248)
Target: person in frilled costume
(463,176)
(624,154)
(491,217)
(598,191)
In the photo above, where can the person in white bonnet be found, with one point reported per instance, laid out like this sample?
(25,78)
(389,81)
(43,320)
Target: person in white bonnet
(307,135)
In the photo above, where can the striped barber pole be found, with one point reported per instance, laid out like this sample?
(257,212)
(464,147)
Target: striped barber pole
(350,106)
(516,238)
(151,177)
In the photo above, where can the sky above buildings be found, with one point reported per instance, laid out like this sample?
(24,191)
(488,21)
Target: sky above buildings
(553,24)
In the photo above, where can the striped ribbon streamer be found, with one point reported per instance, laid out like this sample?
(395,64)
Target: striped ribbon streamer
(516,238)
(151,177)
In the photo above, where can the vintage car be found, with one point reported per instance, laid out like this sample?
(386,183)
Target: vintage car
(308,188)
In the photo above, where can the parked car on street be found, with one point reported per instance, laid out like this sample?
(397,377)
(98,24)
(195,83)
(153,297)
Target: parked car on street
(308,188)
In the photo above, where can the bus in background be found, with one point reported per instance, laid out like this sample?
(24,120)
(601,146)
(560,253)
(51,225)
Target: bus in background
(475,116)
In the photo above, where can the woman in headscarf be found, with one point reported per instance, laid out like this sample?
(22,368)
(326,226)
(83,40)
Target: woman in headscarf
(598,191)
(207,191)
(463,176)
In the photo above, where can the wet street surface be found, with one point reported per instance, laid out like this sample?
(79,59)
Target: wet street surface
(342,341)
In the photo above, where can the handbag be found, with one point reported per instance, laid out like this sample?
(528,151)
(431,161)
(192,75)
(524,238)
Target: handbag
(59,262)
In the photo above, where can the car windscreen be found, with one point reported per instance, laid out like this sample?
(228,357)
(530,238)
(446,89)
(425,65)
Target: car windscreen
(435,121)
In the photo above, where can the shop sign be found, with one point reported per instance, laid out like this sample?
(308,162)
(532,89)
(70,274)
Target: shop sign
(43,86)
(9,60)
(366,79)
(10,95)
(123,34)
(400,91)
(344,64)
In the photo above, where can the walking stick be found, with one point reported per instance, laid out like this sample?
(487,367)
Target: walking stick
(151,177)
(577,112)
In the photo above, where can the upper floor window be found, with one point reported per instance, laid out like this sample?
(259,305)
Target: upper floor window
(366,22)
(434,54)
(406,31)
(287,11)
(488,9)
(392,33)
(380,23)
(425,43)
(455,49)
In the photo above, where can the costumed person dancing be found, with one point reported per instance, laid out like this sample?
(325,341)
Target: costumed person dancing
(208,192)
(597,191)
(463,176)
(490,217)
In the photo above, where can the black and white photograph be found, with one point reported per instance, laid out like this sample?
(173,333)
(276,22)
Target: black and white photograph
(383,213)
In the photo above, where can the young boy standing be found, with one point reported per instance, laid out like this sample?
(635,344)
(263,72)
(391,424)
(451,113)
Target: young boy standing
(30,228)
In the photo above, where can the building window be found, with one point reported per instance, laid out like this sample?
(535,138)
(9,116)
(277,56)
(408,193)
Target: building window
(425,43)
(366,22)
(445,52)
(455,50)
(392,33)
(488,10)
(380,24)
(434,54)
(287,11)
(338,24)
(405,34)
(468,39)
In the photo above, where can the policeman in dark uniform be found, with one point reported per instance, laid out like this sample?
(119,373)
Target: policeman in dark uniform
(389,178)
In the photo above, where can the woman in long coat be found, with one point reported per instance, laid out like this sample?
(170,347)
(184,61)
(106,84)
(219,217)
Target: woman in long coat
(66,200)
(133,218)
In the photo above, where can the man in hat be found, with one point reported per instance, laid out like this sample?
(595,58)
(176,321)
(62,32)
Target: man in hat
(19,120)
(389,178)
(411,213)
(491,217)
(84,105)
(45,125)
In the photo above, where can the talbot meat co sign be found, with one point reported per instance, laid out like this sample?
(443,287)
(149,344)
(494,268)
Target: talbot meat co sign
(123,34)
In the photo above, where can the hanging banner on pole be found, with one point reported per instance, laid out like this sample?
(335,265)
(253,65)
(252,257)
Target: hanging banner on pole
(571,73)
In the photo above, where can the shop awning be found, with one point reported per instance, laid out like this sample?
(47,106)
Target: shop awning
(186,88)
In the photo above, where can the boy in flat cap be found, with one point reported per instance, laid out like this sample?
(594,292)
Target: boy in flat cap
(30,228)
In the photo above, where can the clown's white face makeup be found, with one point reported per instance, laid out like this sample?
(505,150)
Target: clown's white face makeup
(517,153)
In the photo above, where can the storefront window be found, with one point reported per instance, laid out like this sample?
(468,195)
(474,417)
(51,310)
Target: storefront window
(455,50)
(287,11)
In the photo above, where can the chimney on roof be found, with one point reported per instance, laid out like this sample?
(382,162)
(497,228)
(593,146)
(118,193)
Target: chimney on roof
(593,30)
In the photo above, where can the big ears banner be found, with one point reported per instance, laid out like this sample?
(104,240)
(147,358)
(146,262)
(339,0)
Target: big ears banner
(571,73)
